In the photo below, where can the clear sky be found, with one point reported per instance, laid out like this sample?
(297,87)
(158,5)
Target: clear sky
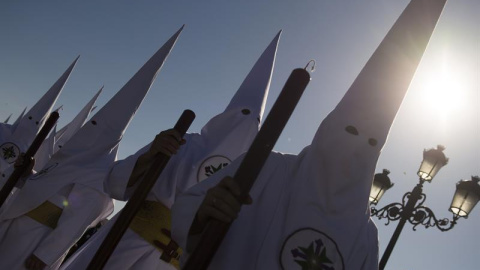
(219,45)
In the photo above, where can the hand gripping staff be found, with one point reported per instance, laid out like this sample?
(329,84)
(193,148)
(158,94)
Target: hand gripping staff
(252,164)
(135,202)
(19,171)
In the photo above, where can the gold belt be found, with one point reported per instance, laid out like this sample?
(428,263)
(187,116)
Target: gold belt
(153,223)
(47,214)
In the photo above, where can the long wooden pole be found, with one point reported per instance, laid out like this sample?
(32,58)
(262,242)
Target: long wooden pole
(135,202)
(252,164)
(19,171)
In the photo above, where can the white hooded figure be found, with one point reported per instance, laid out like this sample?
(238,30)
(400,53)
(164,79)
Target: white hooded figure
(221,140)
(311,211)
(56,205)
(57,139)
(27,126)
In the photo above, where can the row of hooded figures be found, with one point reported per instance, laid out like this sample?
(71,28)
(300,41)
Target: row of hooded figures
(305,211)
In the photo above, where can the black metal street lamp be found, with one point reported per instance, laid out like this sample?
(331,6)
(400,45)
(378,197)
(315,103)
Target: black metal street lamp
(381,183)
(412,210)
(466,197)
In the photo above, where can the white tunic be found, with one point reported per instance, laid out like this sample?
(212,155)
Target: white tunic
(316,200)
(184,170)
(21,236)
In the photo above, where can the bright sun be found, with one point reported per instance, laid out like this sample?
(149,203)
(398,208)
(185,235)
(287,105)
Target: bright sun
(444,90)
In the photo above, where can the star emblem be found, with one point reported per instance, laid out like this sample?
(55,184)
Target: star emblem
(313,257)
(9,152)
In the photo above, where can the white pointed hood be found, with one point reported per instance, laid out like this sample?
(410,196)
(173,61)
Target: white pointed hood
(30,124)
(248,102)
(105,129)
(253,91)
(351,138)
(86,158)
(65,133)
(379,89)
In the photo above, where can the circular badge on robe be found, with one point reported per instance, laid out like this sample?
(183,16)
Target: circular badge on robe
(211,165)
(9,152)
(309,249)
(44,171)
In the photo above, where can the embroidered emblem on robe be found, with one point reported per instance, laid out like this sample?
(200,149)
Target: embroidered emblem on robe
(309,249)
(212,165)
(9,152)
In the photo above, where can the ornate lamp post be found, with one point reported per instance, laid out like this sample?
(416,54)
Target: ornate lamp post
(412,210)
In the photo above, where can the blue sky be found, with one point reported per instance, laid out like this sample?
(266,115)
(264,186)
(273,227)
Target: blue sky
(219,45)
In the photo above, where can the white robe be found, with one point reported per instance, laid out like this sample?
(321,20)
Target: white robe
(182,172)
(131,253)
(321,194)
(21,236)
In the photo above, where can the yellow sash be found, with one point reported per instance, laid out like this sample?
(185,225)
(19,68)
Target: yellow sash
(47,214)
(153,223)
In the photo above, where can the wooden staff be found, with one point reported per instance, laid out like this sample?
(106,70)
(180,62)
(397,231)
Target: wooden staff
(252,164)
(19,171)
(135,202)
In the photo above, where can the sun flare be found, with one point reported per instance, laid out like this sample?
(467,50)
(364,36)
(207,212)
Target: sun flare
(444,90)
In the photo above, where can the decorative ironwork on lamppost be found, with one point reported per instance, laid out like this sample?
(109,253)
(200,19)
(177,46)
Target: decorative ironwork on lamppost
(411,208)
